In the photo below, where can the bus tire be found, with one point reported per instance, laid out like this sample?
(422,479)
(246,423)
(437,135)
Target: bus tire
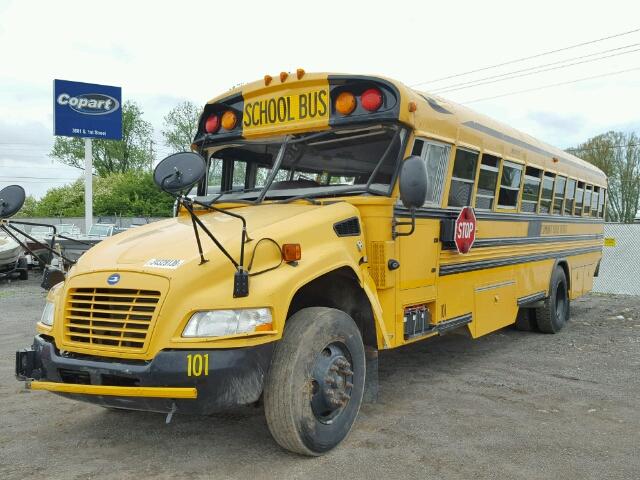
(23,268)
(553,316)
(314,387)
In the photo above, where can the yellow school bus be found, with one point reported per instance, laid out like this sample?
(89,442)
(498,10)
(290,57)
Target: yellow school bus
(326,223)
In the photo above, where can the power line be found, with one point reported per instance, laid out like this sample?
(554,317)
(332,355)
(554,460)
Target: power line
(522,59)
(474,83)
(552,85)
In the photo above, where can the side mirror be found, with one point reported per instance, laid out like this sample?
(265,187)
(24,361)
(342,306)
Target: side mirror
(11,200)
(413,182)
(179,172)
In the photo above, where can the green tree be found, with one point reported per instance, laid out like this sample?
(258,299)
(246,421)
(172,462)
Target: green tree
(29,207)
(133,152)
(65,201)
(130,193)
(617,154)
(180,126)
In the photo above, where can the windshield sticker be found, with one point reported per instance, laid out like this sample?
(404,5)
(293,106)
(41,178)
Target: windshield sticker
(169,263)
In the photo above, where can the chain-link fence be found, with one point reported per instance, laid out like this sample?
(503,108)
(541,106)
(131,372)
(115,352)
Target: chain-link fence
(620,266)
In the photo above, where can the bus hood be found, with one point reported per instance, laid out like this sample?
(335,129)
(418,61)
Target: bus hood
(163,247)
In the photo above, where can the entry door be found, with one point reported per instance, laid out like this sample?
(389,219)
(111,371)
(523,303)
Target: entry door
(419,251)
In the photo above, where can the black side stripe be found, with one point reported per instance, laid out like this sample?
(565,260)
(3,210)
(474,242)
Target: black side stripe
(445,213)
(499,242)
(527,299)
(514,260)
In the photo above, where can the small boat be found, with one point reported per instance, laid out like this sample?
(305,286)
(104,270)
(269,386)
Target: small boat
(74,248)
(43,235)
(10,251)
(11,259)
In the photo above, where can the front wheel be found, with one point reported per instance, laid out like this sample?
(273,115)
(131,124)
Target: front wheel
(315,384)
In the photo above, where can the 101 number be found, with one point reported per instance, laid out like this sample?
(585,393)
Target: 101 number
(197,365)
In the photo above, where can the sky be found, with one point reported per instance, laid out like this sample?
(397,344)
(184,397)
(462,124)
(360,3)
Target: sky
(162,53)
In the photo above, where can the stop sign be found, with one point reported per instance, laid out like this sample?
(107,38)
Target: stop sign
(465,230)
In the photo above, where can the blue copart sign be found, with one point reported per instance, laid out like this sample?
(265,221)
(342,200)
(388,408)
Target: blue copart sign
(87,110)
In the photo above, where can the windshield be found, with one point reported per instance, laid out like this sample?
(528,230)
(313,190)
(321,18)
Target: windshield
(333,162)
(100,230)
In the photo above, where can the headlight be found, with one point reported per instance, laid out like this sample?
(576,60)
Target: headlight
(219,323)
(47,314)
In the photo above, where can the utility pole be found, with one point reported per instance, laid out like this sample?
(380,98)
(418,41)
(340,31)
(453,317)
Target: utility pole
(88,185)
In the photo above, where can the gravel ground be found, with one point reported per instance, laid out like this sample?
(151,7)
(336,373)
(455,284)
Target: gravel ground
(510,405)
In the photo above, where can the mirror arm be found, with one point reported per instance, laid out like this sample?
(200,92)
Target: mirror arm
(23,245)
(395,223)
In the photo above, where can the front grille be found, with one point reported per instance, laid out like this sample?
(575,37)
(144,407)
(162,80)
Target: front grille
(110,317)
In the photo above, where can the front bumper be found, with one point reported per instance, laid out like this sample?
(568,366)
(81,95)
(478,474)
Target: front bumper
(235,377)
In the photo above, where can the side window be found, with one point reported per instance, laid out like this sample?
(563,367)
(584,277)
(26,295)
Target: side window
(558,196)
(579,191)
(463,178)
(509,185)
(547,192)
(594,201)
(571,191)
(586,209)
(436,158)
(601,203)
(531,189)
(487,181)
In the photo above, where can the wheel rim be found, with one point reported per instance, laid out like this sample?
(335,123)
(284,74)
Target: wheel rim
(561,302)
(331,382)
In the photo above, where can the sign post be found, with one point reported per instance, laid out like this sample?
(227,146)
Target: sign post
(88,185)
(464,233)
(88,111)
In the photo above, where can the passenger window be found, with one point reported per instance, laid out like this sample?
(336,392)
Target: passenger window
(509,185)
(487,181)
(436,158)
(558,196)
(586,209)
(463,178)
(531,189)
(568,202)
(579,191)
(594,201)
(601,203)
(547,192)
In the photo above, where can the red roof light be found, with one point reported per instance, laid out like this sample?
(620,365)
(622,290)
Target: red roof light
(212,125)
(371,99)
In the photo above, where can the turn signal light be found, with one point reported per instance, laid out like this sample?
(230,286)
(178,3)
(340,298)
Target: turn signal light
(371,99)
(212,125)
(229,120)
(291,252)
(345,103)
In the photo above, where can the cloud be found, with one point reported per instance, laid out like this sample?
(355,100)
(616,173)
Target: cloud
(558,123)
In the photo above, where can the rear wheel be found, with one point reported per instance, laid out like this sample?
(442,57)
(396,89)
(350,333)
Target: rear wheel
(23,268)
(315,384)
(553,316)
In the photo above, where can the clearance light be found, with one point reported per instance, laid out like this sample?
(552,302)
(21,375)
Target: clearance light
(212,125)
(345,103)
(371,99)
(300,73)
(412,107)
(283,76)
(291,252)
(229,120)
(267,80)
